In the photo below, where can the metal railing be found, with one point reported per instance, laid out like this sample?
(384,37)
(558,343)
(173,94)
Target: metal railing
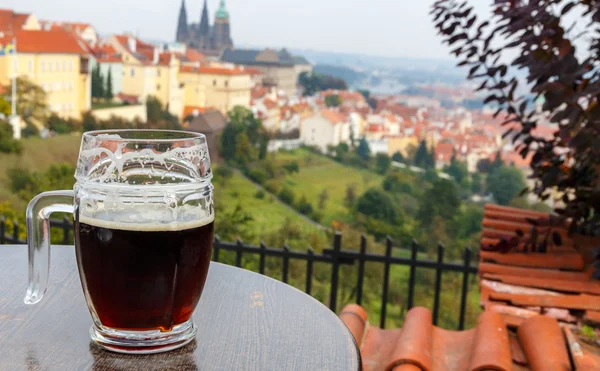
(335,256)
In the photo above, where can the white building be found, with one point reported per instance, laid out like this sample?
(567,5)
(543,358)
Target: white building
(326,128)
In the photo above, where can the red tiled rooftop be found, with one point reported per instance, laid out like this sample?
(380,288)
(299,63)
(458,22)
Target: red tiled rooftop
(193,110)
(270,104)
(58,41)
(194,55)
(11,22)
(333,116)
(537,344)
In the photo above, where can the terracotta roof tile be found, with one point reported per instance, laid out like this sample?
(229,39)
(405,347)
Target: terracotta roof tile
(58,41)
(549,354)
(194,110)
(11,22)
(333,116)
(270,104)
(194,55)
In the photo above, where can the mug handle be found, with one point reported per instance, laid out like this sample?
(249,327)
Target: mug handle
(38,238)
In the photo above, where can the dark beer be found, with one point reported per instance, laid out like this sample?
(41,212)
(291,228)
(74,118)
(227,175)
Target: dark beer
(144,279)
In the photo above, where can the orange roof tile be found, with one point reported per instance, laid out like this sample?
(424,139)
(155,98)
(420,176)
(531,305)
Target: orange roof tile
(58,41)
(253,71)
(333,116)
(194,55)
(194,110)
(11,22)
(270,104)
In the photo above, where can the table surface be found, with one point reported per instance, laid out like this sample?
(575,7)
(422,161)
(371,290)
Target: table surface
(245,322)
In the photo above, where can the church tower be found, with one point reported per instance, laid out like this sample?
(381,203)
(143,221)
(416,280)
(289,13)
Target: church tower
(203,37)
(222,32)
(182,35)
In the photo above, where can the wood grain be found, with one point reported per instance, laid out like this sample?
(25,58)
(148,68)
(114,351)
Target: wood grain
(245,322)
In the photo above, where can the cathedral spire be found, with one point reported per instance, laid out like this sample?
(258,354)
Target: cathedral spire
(204,30)
(182,25)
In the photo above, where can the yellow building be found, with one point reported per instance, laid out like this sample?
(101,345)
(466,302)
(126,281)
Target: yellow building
(55,61)
(168,88)
(139,65)
(221,87)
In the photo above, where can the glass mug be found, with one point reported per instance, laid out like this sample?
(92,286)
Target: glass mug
(144,216)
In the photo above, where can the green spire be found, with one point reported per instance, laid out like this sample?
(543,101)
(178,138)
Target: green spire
(222,12)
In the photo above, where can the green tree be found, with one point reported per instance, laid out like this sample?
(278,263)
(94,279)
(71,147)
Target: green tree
(292,167)
(287,196)
(476,183)
(398,157)
(421,155)
(31,102)
(457,169)
(365,93)
(377,204)
(382,163)
(154,109)
(484,165)
(397,183)
(304,207)
(363,149)
(242,120)
(7,143)
(333,100)
(108,94)
(350,195)
(469,221)
(245,152)
(505,183)
(442,199)
(323,197)
(4,106)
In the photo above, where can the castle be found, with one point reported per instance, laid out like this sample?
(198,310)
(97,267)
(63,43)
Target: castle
(210,40)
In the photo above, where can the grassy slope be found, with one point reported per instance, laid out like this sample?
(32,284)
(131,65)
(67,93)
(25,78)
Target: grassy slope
(318,173)
(38,154)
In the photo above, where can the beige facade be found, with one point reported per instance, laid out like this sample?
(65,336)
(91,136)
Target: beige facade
(218,87)
(283,77)
(139,77)
(63,77)
(401,144)
(126,112)
(169,89)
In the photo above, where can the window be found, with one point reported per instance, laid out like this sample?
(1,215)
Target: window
(57,66)
(57,86)
(64,107)
(43,66)
(70,85)
(49,66)
(157,86)
(158,72)
(49,87)
(70,107)
(214,82)
(64,66)
(131,72)
(226,84)
(64,86)
(30,65)
(70,66)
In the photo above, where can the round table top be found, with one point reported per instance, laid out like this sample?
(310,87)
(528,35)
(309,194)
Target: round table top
(245,322)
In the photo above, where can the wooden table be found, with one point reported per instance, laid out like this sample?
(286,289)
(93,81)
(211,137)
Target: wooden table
(245,322)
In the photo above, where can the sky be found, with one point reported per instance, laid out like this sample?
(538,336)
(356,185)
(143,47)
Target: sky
(399,28)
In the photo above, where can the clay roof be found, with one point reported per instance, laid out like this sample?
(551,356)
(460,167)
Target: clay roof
(214,70)
(128,98)
(270,104)
(144,52)
(164,59)
(258,92)
(538,344)
(518,285)
(58,41)
(333,116)
(11,22)
(194,55)
(193,110)
(444,152)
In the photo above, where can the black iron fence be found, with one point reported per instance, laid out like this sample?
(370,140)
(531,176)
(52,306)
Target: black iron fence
(335,256)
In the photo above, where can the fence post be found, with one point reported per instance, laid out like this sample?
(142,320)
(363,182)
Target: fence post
(386,280)
(335,270)
(15,232)
(465,288)
(261,263)
(216,248)
(2,230)
(413,271)
(438,283)
(238,253)
(286,263)
(361,269)
(309,269)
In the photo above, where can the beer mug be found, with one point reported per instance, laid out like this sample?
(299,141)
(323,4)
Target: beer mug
(144,214)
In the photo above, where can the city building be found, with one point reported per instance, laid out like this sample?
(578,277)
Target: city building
(169,90)
(210,40)
(54,60)
(326,128)
(220,86)
(210,123)
(139,69)
(278,68)
(111,64)
(83,30)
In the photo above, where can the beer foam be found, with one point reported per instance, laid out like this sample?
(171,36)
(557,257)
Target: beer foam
(147,227)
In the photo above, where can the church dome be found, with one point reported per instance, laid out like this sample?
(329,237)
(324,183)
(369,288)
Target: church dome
(222,12)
